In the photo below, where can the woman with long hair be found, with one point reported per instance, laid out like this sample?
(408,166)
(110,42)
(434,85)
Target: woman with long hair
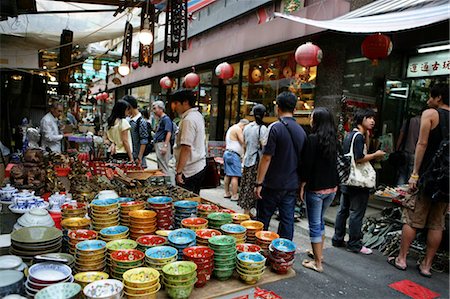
(255,137)
(319,180)
(119,132)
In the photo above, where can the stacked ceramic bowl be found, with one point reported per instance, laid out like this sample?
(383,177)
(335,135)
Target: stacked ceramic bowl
(184,209)
(114,233)
(182,238)
(204,234)
(281,255)
(216,220)
(75,223)
(35,217)
(112,246)
(78,235)
(11,282)
(238,218)
(142,222)
(252,227)
(45,274)
(11,262)
(224,256)
(35,240)
(75,209)
(179,279)
(194,223)
(104,213)
(250,266)
(205,209)
(57,257)
(159,256)
(141,283)
(125,259)
(247,247)
(105,288)
(263,240)
(148,241)
(162,205)
(235,230)
(126,208)
(90,256)
(62,290)
(85,278)
(203,257)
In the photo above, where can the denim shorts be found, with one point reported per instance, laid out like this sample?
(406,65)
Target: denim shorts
(232,164)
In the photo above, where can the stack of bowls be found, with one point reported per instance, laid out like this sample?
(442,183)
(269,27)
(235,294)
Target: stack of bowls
(85,278)
(142,222)
(159,256)
(235,230)
(11,282)
(73,209)
(250,266)
(35,240)
(216,220)
(141,283)
(126,208)
(247,247)
(182,238)
(252,227)
(263,239)
(35,217)
(58,257)
(148,241)
(224,256)
(204,234)
(281,255)
(45,274)
(62,290)
(112,246)
(162,205)
(205,209)
(228,211)
(125,259)
(179,279)
(90,256)
(105,288)
(124,199)
(114,233)
(78,235)
(238,218)
(203,257)
(184,209)
(75,223)
(194,223)
(104,213)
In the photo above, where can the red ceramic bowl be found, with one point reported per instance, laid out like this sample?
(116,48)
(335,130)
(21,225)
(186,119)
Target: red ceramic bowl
(73,206)
(226,211)
(131,203)
(208,208)
(160,206)
(127,255)
(205,266)
(207,233)
(82,234)
(151,240)
(280,254)
(247,248)
(198,252)
(194,221)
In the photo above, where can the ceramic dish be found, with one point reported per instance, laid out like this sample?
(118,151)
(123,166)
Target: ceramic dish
(161,253)
(60,291)
(127,255)
(179,271)
(88,277)
(10,262)
(142,215)
(181,236)
(159,200)
(194,222)
(248,258)
(121,244)
(284,245)
(11,282)
(252,225)
(56,257)
(198,252)
(49,272)
(151,240)
(75,222)
(114,230)
(107,288)
(141,277)
(91,245)
(82,234)
(185,204)
(248,248)
(35,235)
(222,241)
(233,228)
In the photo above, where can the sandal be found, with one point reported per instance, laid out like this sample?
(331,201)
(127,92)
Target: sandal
(311,265)
(427,275)
(227,196)
(393,261)
(310,254)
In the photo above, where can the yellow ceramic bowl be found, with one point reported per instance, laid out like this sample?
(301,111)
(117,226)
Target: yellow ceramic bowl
(88,277)
(142,291)
(96,267)
(90,254)
(240,217)
(88,263)
(163,232)
(141,277)
(104,208)
(142,215)
(75,222)
(145,296)
(252,225)
(140,231)
(142,224)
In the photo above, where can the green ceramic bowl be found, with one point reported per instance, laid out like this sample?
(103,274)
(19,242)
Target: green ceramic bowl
(222,241)
(219,217)
(159,263)
(178,271)
(59,290)
(225,266)
(223,274)
(179,292)
(254,271)
(187,282)
(121,244)
(249,279)
(36,234)
(225,254)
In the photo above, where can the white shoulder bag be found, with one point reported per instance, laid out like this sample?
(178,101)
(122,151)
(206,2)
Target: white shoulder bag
(361,174)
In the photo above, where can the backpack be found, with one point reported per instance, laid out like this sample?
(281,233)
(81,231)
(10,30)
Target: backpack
(149,147)
(435,179)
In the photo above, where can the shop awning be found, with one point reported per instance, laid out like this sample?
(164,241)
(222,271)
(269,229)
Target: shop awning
(383,16)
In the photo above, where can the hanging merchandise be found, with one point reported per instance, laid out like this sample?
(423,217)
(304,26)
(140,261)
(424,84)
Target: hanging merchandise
(65,59)
(135,65)
(166,82)
(175,35)
(146,36)
(191,80)
(124,68)
(308,55)
(97,64)
(224,71)
(376,46)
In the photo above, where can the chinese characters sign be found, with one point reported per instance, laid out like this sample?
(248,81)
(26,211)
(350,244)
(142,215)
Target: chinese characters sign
(426,65)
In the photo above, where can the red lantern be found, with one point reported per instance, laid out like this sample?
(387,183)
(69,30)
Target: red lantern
(98,96)
(135,65)
(308,55)
(224,71)
(166,82)
(104,96)
(191,80)
(376,46)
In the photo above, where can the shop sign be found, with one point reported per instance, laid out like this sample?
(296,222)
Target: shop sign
(427,65)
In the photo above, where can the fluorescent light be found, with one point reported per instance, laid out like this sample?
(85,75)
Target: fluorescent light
(434,48)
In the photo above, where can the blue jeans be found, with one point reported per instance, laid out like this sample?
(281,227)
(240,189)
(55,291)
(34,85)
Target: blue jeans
(285,202)
(316,205)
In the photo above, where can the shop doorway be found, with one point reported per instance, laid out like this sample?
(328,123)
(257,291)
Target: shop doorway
(231,106)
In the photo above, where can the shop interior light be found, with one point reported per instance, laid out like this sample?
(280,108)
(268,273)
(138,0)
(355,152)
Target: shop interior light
(52,78)
(433,48)
(124,68)
(146,36)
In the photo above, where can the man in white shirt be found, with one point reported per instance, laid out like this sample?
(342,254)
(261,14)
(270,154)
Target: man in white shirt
(189,149)
(51,135)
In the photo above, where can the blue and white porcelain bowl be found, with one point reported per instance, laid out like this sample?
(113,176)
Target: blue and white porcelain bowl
(49,272)
(182,236)
(7,193)
(11,282)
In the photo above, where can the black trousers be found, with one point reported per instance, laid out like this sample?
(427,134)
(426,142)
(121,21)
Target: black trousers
(194,183)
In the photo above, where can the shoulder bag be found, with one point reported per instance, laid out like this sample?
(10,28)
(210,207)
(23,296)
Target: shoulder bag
(361,174)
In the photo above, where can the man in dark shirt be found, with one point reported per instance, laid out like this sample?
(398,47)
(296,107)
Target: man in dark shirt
(277,181)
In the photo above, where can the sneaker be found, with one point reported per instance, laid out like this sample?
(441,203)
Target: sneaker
(365,250)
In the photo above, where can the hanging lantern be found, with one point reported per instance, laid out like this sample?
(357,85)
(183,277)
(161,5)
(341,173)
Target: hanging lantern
(308,55)
(191,80)
(104,96)
(135,65)
(97,64)
(224,71)
(166,82)
(376,46)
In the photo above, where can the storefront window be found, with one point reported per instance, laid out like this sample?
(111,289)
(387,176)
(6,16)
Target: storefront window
(142,94)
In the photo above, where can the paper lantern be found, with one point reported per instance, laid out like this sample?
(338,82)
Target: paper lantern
(308,55)
(135,65)
(224,71)
(104,96)
(376,46)
(97,64)
(191,80)
(256,75)
(166,82)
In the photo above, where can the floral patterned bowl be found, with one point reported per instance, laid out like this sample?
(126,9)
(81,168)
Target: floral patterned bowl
(161,254)
(141,277)
(60,290)
(121,244)
(182,236)
(198,253)
(127,255)
(49,272)
(151,240)
(108,288)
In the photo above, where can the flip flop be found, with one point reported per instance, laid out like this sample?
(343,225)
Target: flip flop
(393,261)
(427,275)
(311,265)
(310,254)
(227,196)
